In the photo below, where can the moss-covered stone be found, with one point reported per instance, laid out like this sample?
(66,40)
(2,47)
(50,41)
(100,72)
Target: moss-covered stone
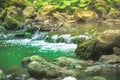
(14,18)
(113,14)
(40,68)
(101,45)
(2,75)
(2,28)
(29,12)
(85,15)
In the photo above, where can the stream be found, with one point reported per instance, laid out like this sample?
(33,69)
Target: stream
(13,50)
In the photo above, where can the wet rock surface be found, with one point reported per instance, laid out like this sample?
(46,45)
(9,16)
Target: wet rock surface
(110,59)
(2,75)
(103,44)
(14,18)
(40,68)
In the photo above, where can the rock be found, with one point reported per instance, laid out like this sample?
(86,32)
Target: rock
(69,78)
(100,7)
(16,74)
(14,18)
(116,51)
(85,15)
(112,21)
(29,12)
(47,70)
(101,45)
(113,14)
(2,76)
(48,9)
(31,79)
(40,68)
(110,58)
(98,78)
(71,63)
(27,60)
(93,69)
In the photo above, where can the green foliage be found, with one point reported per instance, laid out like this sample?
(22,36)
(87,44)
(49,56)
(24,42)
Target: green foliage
(114,3)
(66,5)
(91,33)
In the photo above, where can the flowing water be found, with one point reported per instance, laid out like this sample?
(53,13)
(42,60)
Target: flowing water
(13,50)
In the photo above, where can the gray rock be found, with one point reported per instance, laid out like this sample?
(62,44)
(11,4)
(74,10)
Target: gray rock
(2,76)
(39,68)
(47,70)
(71,63)
(116,50)
(110,58)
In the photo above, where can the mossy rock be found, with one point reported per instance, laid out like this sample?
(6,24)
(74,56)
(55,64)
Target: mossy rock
(2,28)
(39,68)
(78,40)
(101,45)
(2,75)
(113,14)
(85,15)
(29,12)
(14,18)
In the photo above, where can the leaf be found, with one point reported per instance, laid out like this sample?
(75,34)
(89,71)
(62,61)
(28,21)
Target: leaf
(82,5)
(67,3)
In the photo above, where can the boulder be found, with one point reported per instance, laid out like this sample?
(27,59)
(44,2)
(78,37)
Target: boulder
(40,68)
(2,76)
(85,15)
(71,63)
(113,14)
(101,45)
(28,60)
(110,59)
(116,51)
(47,70)
(29,12)
(48,9)
(14,18)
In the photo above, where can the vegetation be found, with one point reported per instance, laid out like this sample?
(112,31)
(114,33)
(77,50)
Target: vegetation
(61,5)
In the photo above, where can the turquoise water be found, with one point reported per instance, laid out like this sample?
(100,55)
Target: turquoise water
(13,51)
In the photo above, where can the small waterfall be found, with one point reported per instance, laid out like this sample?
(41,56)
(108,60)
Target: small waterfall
(66,38)
(36,35)
(55,37)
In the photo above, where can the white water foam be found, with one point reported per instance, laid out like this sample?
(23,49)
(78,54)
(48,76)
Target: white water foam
(43,45)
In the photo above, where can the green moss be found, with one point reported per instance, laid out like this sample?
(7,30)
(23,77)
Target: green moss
(2,28)
(27,34)
(60,40)
(78,40)
(98,78)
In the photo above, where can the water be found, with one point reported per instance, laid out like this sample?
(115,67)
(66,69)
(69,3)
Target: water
(13,50)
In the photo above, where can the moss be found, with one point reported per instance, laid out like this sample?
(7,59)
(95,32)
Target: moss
(2,28)
(98,78)
(27,34)
(60,40)
(78,40)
